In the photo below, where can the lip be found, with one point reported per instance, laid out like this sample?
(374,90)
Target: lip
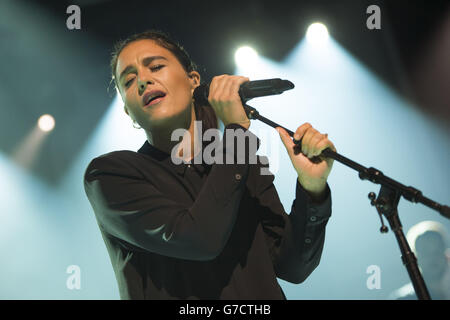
(155,101)
(148,95)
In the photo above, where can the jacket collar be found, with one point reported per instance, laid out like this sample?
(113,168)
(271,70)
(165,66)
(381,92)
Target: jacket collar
(164,157)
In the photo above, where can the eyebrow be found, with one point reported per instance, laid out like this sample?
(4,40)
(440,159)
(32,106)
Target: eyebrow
(146,61)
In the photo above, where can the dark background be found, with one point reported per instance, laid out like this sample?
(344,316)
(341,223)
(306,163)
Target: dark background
(47,68)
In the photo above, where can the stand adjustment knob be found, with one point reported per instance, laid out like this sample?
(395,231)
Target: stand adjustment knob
(379,204)
(372,197)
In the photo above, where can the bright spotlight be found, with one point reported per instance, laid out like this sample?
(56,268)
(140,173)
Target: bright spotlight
(46,123)
(317,33)
(245,56)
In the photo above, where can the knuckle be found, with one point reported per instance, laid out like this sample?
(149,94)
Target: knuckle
(218,78)
(213,100)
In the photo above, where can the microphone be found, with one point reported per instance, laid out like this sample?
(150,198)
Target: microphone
(248,90)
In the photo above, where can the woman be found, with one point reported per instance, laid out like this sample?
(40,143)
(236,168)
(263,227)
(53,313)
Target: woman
(199,231)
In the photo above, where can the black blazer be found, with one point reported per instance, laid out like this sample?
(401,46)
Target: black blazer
(219,232)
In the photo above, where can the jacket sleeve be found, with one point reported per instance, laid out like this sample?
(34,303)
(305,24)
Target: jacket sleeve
(131,208)
(295,240)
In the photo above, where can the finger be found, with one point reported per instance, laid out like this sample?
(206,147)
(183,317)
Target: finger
(243,79)
(301,130)
(227,91)
(222,88)
(215,87)
(313,144)
(212,88)
(237,82)
(306,141)
(286,139)
(299,133)
(324,144)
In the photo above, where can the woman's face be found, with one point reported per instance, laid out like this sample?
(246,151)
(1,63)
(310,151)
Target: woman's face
(154,86)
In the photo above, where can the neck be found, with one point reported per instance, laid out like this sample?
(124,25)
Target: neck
(160,138)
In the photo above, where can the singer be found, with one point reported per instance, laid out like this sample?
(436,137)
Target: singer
(198,231)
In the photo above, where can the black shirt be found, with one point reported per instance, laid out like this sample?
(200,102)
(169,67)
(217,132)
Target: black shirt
(201,231)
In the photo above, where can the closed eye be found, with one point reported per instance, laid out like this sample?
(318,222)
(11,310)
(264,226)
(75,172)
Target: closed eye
(154,68)
(128,83)
(157,67)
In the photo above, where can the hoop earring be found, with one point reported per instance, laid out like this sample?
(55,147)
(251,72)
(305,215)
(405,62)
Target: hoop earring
(134,125)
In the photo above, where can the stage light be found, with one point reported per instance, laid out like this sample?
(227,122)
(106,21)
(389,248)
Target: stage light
(245,56)
(46,123)
(317,33)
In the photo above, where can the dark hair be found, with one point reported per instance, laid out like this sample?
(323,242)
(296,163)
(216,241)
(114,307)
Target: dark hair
(203,113)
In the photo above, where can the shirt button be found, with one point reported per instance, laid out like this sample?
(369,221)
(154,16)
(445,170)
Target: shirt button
(188,165)
(238,176)
(313,218)
(308,240)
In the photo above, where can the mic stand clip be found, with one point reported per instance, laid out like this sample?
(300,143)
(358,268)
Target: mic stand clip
(386,204)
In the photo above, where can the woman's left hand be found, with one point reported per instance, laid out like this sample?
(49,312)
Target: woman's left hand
(225,100)
(312,169)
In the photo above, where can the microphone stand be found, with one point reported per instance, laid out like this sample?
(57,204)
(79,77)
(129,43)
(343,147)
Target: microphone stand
(386,203)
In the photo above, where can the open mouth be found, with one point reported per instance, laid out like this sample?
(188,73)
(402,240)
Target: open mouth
(153,97)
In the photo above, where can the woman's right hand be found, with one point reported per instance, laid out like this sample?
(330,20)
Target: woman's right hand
(225,100)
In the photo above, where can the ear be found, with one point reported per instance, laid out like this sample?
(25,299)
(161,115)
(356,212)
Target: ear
(194,78)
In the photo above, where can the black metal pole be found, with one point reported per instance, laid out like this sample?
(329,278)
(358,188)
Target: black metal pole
(371,174)
(386,204)
(409,259)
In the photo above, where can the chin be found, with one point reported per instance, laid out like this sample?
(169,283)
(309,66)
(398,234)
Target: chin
(169,118)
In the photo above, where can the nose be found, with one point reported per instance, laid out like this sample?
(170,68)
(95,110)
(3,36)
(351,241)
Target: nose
(143,81)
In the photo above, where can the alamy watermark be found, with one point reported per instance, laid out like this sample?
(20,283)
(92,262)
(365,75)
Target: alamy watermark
(374,280)
(374,20)
(74,20)
(73,282)
(236,147)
